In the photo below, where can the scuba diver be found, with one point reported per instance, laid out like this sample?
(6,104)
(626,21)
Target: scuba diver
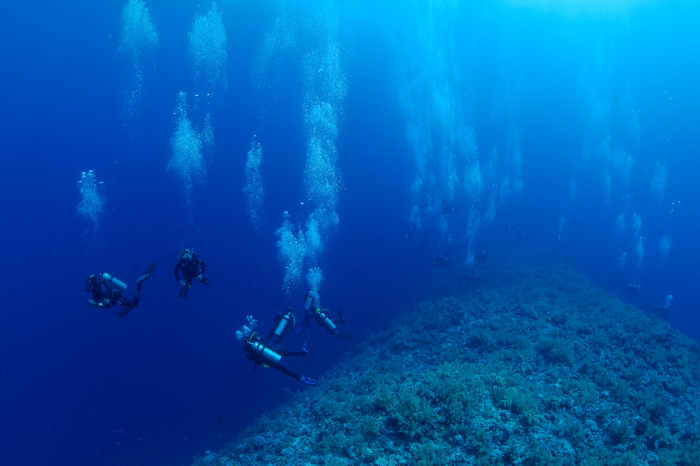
(442,261)
(447,250)
(447,207)
(107,291)
(256,351)
(482,255)
(661,310)
(192,269)
(631,289)
(283,324)
(322,317)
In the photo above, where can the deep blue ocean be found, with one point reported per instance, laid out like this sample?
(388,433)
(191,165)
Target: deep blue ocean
(557,126)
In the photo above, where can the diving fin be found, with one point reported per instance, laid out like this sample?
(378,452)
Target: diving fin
(183,292)
(308,380)
(344,336)
(306,323)
(205,281)
(125,311)
(149,271)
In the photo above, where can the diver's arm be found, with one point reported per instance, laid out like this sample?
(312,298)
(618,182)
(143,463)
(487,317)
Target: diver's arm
(204,266)
(104,304)
(177,269)
(99,298)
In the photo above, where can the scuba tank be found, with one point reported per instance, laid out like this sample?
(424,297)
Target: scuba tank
(265,353)
(117,284)
(325,321)
(284,327)
(308,300)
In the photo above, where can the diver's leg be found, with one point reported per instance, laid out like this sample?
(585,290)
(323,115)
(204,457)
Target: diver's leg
(125,311)
(343,336)
(285,370)
(137,295)
(282,352)
(187,278)
(127,304)
(307,380)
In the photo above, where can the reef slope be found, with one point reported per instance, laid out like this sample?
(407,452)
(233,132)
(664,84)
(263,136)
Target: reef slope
(535,365)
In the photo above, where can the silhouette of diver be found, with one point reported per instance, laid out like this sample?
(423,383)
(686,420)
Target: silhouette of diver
(107,291)
(256,350)
(631,289)
(192,268)
(322,317)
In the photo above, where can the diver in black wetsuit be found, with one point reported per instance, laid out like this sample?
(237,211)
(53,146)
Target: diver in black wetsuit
(107,291)
(322,317)
(261,355)
(192,269)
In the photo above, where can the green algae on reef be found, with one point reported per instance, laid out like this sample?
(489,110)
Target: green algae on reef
(534,366)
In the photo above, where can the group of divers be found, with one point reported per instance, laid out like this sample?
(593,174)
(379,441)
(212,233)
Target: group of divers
(444,261)
(108,291)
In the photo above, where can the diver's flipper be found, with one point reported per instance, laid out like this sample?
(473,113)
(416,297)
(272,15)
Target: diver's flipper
(183,292)
(344,336)
(306,323)
(151,268)
(308,380)
(205,280)
(149,271)
(125,311)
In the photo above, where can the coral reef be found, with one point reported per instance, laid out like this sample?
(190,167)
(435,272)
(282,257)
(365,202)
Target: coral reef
(533,366)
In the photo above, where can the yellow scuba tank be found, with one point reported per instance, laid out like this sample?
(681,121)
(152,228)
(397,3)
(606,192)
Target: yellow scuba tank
(117,284)
(265,353)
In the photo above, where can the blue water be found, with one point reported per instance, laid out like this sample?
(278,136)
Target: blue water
(80,386)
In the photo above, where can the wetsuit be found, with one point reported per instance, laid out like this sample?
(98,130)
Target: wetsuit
(191,269)
(105,291)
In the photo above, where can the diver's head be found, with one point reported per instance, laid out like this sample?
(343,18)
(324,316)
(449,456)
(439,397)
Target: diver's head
(91,283)
(185,255)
